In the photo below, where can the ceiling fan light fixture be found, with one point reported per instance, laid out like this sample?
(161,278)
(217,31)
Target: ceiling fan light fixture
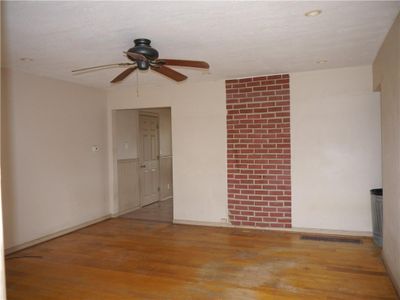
(313,13)
(143,64)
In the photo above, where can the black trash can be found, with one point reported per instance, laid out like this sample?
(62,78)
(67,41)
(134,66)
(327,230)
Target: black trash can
(377,215)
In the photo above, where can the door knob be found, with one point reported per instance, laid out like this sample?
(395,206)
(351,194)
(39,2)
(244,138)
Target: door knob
(143,166)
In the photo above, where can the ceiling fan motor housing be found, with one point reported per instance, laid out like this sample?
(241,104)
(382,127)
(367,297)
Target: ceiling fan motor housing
(142,46)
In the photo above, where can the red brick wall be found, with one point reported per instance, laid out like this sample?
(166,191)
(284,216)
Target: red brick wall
(258,122)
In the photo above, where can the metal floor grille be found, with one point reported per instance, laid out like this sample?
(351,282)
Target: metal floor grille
(331,239)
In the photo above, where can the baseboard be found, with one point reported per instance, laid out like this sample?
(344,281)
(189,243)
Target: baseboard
(115,215)
(54,235)
(391,276)
(201,223)
(166,198)
(332,231)
(299,230)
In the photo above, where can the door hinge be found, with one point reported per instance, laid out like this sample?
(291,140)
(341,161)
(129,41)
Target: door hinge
(158,189)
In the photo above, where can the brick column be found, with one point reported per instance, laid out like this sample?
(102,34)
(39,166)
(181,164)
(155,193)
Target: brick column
(258,122)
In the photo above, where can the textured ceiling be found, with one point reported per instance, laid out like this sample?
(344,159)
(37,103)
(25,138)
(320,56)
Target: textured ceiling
(237,38)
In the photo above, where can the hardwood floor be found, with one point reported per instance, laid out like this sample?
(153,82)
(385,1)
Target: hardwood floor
(133,259)
(161,211)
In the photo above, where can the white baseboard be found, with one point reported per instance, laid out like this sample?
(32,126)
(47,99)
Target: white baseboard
(117,214)
(183,222)
(166,198)
(54,235)
(332,231)
(201,223)
(300,230)
(391,275)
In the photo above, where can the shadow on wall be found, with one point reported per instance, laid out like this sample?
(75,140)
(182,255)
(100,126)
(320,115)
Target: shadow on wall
(7,190)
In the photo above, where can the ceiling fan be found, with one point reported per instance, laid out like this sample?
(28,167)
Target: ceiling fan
(143,57)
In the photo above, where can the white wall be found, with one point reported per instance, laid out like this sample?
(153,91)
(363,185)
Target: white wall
(51,178)
(386,70)
(199,143)
(336,148)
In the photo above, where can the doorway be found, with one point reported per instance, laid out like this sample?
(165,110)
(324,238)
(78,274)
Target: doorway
(149,158)
(143,160)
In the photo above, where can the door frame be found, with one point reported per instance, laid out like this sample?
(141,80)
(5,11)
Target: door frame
(140,154)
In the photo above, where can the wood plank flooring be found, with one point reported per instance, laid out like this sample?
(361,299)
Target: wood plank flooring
(133,259)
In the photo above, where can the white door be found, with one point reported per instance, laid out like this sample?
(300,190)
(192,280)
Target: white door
(149,159)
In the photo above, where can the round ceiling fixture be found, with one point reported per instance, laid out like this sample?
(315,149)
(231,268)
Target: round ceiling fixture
(313,13)
(322,61)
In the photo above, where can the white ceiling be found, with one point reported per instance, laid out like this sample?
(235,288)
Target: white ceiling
(237,38)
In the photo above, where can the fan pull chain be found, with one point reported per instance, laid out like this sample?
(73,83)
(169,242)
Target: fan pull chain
(137,84)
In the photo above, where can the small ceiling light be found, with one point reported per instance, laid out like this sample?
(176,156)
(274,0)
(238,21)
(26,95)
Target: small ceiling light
(26,59)
(313,13)
(322,61)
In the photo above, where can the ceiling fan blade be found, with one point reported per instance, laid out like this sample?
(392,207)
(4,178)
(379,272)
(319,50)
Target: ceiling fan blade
(103,66)
(169,73)
(136,56)
(185,63)
(123,75)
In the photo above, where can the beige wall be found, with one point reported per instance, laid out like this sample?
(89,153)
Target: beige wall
(126,159)
(2,271)
(51,178)
(126,129)
(128,185)
(386,70)
(336,148)
(198,140)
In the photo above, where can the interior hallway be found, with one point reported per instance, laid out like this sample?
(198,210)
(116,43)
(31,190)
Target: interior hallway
(160,211)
